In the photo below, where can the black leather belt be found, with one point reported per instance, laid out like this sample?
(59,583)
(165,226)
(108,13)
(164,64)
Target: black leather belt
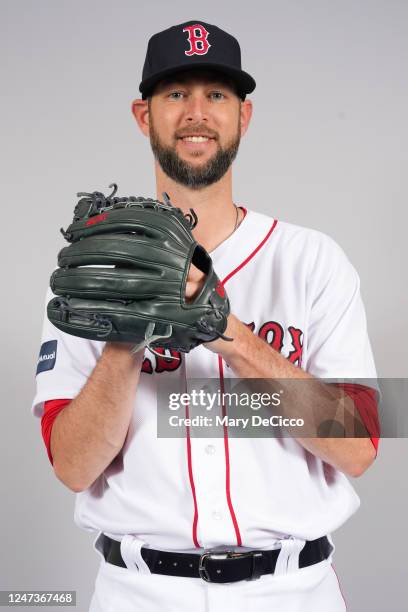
(215,566)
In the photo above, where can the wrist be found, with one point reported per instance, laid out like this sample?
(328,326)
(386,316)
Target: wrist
(123,350)
(227,348)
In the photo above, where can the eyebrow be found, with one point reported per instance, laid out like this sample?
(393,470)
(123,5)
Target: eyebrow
(181,81)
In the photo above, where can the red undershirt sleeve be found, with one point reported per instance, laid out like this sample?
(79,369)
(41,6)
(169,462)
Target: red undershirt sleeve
(51,409)
(365,400)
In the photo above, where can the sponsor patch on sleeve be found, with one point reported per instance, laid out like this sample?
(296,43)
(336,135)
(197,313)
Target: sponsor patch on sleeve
(47,357)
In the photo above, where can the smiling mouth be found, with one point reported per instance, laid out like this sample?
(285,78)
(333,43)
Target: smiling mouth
(196,138)
(196,144)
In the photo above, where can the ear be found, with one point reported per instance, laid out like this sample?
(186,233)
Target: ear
(245,115)
(140,112)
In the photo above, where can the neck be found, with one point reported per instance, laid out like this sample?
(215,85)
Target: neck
(213,206)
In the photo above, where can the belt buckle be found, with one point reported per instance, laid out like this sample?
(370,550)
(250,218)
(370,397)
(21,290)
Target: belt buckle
(217,555)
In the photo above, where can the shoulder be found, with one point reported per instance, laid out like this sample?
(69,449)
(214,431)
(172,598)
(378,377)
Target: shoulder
(311,242)
(297,242)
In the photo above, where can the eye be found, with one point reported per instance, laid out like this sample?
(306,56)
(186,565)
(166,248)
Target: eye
(217,95)
(174,95)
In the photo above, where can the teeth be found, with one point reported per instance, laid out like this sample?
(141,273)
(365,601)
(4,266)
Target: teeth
(196,139)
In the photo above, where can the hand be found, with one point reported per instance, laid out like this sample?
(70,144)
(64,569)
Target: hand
(195,282)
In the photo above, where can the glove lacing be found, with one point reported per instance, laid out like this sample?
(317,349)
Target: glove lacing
(97,319)
(149,338)
(96,203)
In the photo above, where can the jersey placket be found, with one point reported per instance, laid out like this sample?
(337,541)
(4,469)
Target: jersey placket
(208,477)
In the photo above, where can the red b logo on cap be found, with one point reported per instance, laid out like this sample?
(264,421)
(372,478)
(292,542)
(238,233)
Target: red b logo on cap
(197,37)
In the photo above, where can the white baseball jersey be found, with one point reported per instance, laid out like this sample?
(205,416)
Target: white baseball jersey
(297,289)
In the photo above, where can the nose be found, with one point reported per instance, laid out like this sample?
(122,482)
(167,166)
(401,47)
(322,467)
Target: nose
(196,109)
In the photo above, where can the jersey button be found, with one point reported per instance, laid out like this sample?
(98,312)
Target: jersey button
(210,449)
(217,516)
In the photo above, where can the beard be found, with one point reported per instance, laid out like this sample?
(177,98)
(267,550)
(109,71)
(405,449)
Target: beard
(185,173)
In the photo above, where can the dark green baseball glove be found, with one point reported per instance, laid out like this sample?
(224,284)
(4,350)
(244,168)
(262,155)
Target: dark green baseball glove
(123,277)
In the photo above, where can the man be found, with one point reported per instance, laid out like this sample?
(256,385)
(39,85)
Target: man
(160,505)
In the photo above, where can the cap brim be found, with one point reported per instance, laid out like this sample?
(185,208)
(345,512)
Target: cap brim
(245,83)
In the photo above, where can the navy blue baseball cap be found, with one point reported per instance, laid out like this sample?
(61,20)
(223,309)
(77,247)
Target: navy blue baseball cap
(193,45)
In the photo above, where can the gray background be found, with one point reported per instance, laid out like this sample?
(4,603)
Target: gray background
(327,149)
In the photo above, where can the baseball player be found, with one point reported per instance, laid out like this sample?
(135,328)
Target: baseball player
(221,523)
